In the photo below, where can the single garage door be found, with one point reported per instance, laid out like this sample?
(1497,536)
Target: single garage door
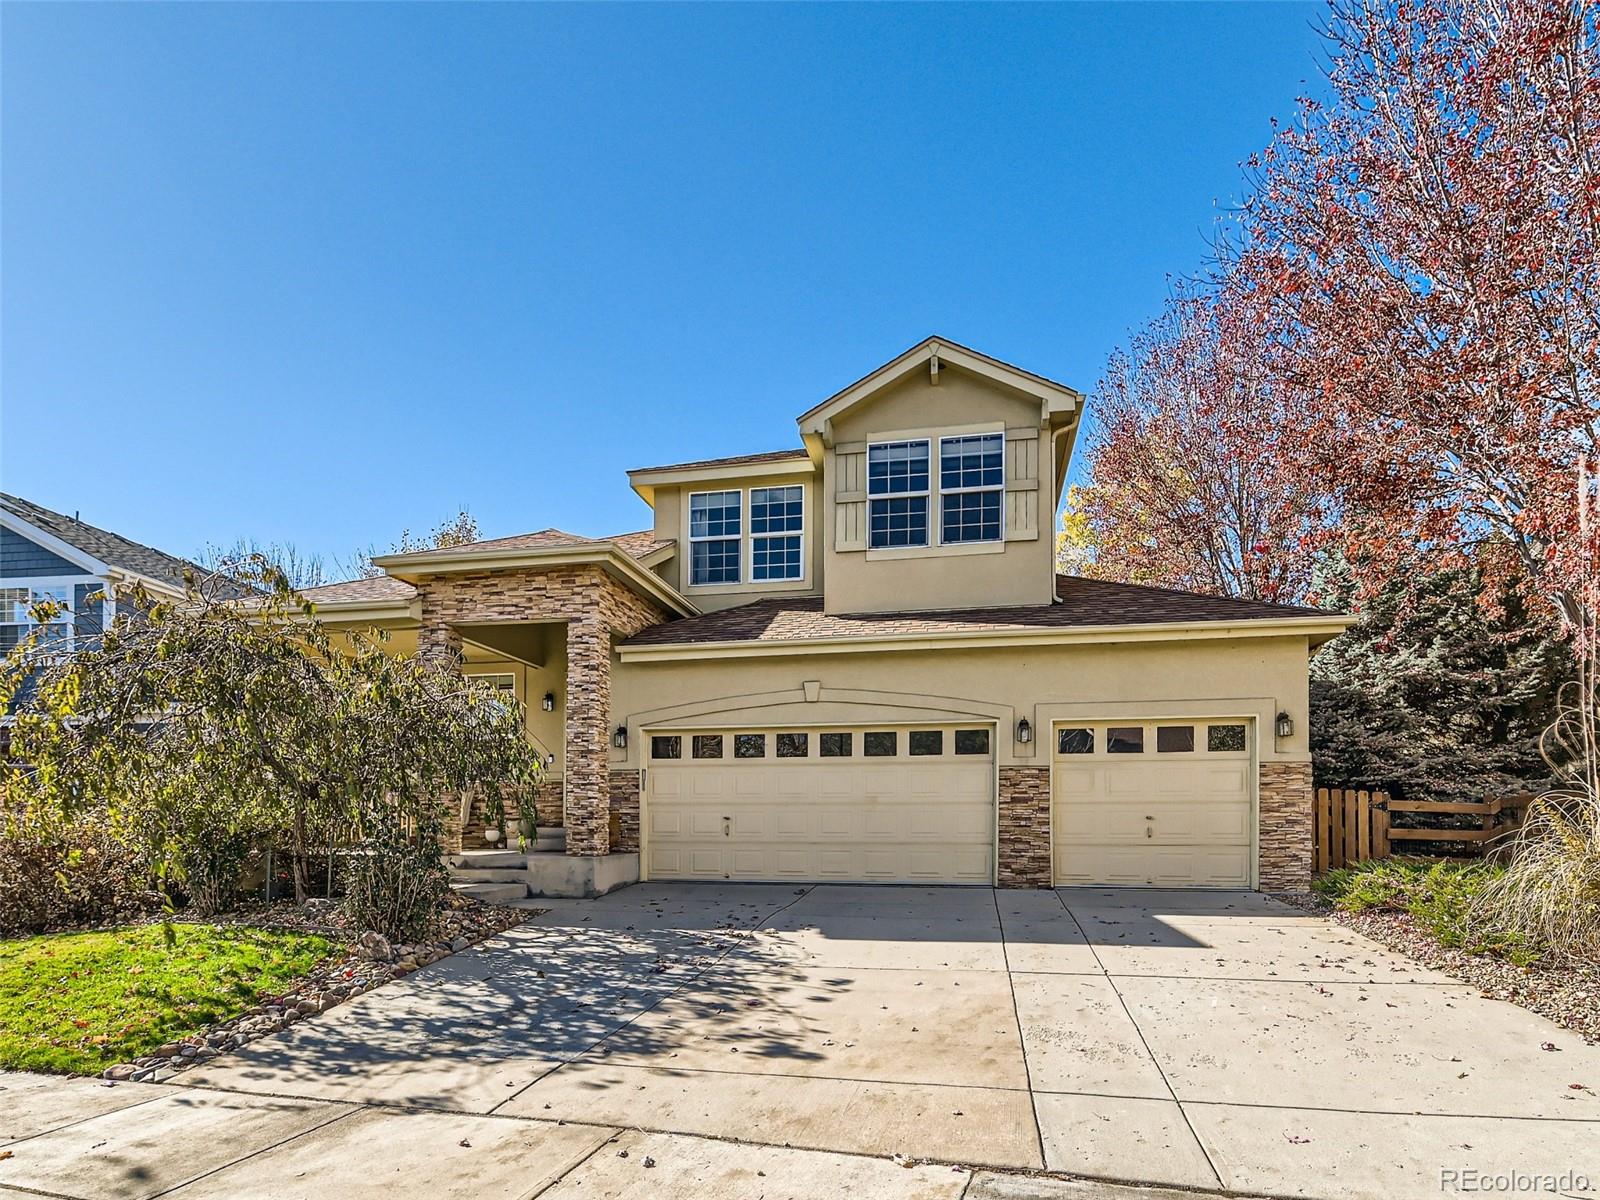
(1155,803)
(910,804)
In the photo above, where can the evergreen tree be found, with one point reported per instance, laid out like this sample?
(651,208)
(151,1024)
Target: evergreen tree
(1441,691)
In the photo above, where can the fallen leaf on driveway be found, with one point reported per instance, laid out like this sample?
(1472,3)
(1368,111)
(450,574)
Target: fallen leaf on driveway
(1549,1046)
(1296,1139)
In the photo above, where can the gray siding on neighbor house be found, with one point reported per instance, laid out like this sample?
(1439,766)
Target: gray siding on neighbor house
(21,558)
(91,619)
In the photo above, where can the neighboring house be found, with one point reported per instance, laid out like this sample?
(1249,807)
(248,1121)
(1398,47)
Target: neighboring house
(853,661)
(86,571)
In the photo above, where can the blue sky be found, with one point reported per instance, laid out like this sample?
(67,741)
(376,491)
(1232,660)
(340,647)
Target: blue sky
(317,273)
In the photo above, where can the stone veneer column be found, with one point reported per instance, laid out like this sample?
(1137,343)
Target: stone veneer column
(1285,826)
(1024,835)
(587,804)
(625,803)
(439,642)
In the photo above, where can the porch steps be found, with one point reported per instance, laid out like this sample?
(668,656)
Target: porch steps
(492,893)
(487,860)
(501,876)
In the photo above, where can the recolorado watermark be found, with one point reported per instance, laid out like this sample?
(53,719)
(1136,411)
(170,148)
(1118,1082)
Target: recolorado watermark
(1473,1181)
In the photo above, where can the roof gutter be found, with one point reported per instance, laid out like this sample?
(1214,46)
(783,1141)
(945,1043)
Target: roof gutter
(1317,629)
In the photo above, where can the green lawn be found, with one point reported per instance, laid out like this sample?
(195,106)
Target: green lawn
(80,1002)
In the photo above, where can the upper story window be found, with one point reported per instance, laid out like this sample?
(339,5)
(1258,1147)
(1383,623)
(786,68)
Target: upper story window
(971,491)
(777,519)
(715,527)
(16,613)
(972,485)
(897,491)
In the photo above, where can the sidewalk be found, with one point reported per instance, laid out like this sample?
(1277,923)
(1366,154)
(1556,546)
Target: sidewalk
(94,1140)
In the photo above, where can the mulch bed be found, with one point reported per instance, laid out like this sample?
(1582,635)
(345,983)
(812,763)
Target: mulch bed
(1567,993)
(369,962)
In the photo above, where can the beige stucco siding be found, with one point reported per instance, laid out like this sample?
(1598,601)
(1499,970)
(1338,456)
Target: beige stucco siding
(1244,677)
(1017,570)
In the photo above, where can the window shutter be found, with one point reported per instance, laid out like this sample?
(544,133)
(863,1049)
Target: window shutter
(1022,485)
(850,497)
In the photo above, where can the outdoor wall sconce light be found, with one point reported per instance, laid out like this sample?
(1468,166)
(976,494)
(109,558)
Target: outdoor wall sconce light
(549,702)
(549,760)
(1024,731)
(1285,725)
(619,739)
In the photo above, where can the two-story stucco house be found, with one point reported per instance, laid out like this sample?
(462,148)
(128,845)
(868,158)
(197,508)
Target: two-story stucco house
(853,660)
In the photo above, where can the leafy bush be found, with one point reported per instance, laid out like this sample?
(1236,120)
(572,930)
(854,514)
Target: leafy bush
(396,884)
(1444,897)
(53,876)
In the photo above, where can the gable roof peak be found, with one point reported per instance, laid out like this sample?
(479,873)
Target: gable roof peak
(933,352)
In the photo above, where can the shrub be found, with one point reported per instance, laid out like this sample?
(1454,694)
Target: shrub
(1444,897)
(396,884)
(1550,889)
(53,876)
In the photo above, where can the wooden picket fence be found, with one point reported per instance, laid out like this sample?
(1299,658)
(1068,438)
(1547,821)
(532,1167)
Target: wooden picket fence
(1351,825)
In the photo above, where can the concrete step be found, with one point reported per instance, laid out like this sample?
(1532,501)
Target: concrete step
(488,859)
(492,893)
(489,874)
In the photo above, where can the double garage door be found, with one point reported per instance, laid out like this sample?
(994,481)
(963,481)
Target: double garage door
(908,804)
(1163,803)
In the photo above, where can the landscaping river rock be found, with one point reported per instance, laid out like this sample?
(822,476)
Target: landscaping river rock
(372,961)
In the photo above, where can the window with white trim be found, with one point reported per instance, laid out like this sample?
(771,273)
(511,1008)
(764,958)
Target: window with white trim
(972,483)
(897,494)
(17,606)
(777,518)
(715,526)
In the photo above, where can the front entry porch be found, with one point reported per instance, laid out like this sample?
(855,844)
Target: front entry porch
(546,635)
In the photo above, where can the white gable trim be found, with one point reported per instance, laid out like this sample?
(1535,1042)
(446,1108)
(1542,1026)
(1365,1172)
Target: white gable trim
(932,354)
(80,558)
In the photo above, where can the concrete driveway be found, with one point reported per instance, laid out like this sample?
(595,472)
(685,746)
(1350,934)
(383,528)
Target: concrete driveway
(1201,1039)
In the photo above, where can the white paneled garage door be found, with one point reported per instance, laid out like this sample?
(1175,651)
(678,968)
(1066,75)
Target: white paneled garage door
(911,804)
(1153,803)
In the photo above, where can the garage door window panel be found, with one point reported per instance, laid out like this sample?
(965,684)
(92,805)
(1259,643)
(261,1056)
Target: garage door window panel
(972,741)
(706,745)
(669,746)
(1224,739)
(1075,741)
(836,745)
(1174,739)
(749,745)
(924,742)
(794,745)
(880,745)
(1125,739)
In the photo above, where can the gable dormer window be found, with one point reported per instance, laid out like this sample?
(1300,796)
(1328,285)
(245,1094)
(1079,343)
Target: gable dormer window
(897,492)
(715,525)
(972,482)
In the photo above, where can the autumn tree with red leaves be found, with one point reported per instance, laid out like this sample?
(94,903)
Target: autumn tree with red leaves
(1189,486)
(1422,256)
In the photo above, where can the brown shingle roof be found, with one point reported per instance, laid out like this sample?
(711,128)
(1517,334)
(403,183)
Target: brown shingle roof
(378,589)
(1083,603)
(737,461)
(638,544)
